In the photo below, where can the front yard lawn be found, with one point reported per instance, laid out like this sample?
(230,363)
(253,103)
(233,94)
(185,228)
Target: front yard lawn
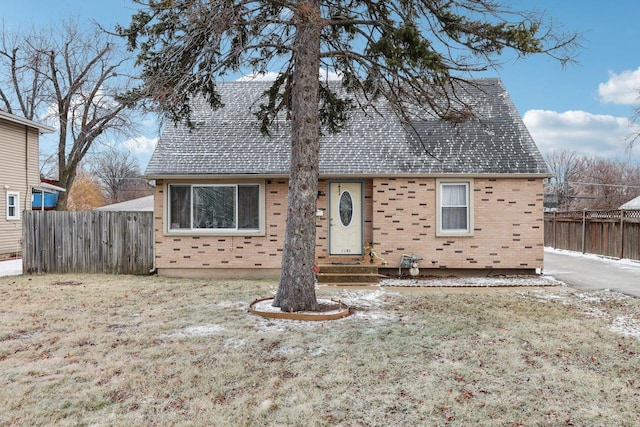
(123,350)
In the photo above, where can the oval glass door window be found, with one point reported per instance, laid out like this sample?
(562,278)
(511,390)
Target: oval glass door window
(346,208)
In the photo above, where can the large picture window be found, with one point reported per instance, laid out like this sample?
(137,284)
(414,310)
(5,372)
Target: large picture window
(219,207)
(13,205)
(454,208)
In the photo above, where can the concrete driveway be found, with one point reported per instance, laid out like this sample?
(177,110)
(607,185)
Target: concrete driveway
(593,272)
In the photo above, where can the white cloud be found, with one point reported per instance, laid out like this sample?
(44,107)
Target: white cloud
(149,122)
(623,88)
(140,145)
(579,131)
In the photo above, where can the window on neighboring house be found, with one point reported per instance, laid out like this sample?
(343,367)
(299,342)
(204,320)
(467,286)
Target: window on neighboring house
(222,208)
(454,208)
(13,205)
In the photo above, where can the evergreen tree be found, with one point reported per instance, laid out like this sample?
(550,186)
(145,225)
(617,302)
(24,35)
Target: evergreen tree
(408,52)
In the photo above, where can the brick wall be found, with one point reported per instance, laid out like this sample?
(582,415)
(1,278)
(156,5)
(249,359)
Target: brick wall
(399,215)
(224,252)
(508,224)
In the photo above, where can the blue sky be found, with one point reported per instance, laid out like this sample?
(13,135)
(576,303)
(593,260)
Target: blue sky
(584,107)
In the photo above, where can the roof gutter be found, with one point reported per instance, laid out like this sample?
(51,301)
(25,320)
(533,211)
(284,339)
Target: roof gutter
(347,176)
(46,187)
(25,122)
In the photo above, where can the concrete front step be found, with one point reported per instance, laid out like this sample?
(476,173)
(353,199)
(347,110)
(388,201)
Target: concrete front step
(348,274)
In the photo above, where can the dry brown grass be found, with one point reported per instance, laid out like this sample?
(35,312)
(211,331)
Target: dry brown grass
(120,350)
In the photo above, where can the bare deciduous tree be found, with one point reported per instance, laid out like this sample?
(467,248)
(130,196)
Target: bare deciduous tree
(565,166)
(635,125)
(120,177)
(410,53)
(21,74)
(582,182)
(605,184)
(71,79)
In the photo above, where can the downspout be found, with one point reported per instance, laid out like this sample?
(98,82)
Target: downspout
(165,205)
(26,168)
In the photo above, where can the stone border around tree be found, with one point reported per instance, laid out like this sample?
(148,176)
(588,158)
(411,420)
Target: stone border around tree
(343,310)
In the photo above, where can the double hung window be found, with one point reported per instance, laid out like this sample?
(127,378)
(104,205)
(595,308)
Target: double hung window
(224,208)
(454,208)
(13,205)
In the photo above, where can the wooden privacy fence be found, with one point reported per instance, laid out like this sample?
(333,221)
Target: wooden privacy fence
(611,233)
(87,242)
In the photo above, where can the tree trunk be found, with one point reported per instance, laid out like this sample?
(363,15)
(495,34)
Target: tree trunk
(66,178)
(297,286)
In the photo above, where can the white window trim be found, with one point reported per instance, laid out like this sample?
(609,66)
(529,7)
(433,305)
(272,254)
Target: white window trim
(214,232)
(16,205)
(470,214)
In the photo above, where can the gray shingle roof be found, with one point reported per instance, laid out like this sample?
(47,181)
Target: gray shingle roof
(228,140)
(632,204)
(142,204)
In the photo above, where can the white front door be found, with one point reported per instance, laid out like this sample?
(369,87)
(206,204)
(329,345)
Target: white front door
(345,218)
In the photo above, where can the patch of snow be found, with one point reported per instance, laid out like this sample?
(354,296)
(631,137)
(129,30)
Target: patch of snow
(197,331)
(318,351)
(626,325)
(287,350)
(234,343)
(374,298)
(588,298)
(266,306)
(368,305)
(542,296)
(266,405)
(279,325)
(378,315)
(597,305)
(239,305)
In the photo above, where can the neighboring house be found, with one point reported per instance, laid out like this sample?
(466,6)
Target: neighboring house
(458,196)
(19,174)
(134,205)
(46,192)
(632,204)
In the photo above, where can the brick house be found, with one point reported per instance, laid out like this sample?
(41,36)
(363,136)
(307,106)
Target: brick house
(467,196)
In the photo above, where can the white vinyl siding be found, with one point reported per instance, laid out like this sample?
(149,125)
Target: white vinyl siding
(19,173)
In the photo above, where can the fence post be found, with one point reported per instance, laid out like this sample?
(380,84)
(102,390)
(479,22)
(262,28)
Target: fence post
(555,233)
(584,229)
(621,233)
